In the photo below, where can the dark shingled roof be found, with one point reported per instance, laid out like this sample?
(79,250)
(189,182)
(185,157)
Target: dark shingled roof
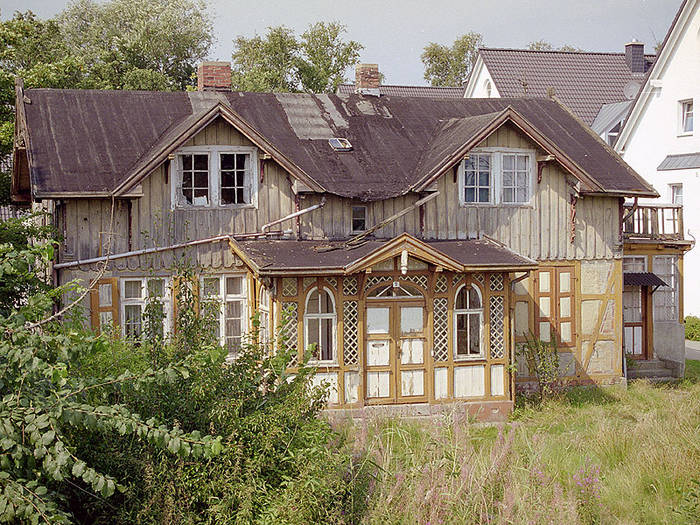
(643,279)
(410,91)
(83,141)
(683,161)
(583,81)
(276,256)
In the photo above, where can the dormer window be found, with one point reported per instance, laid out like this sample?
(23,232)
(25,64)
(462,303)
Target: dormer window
(496,176)
(215,176)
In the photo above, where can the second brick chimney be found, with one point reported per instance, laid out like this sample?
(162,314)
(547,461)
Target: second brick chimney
(367,78)
(634,56)
(214,76)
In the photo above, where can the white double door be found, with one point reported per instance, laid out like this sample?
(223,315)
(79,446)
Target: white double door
(395,352)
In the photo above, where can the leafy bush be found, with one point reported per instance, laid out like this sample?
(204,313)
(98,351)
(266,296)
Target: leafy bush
(542,358)
(692,328)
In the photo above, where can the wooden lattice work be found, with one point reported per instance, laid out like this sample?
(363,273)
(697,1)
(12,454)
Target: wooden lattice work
(440,350)
(350,343)
(441,284)
(376,279)
(308,281)
(456,278)
(496,282)
(420,280)
(479,278)
(350,286)
(332,281)
(496,318)
(289,329)
(289,287)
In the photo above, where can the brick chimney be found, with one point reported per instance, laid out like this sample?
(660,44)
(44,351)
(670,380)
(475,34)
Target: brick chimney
(634,56)
(214,76)
(367,79)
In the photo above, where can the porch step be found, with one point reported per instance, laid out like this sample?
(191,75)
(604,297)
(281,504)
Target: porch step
(652,369)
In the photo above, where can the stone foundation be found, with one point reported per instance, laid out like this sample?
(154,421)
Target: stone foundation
(480,411)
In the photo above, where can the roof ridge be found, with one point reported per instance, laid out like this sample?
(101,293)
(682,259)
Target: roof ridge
(553,51)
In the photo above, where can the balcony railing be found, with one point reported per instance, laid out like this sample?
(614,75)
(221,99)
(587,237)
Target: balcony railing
(654,221)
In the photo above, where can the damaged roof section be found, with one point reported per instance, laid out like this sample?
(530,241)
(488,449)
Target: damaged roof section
(86,142)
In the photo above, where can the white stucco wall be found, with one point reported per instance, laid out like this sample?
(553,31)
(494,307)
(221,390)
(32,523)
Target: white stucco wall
(657,135)
(477,86)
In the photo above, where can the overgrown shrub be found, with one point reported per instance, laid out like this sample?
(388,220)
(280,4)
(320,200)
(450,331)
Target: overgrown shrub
(542,358)
(692,328)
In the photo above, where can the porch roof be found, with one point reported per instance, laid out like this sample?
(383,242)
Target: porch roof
(286,257)
(643,279)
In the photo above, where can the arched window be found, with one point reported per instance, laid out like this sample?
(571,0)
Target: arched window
(391,290)
(320,324)
(468,323)
(487,86)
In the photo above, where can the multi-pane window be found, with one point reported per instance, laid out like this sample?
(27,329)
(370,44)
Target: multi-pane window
(516,178)
(320,325)
(477,178)
(145,306)
(195,178)
(235,172)
(215,176)
(224,297)
(359,218)
(686,116)
(264,310)
(468,322)
(634,263)
(496,177)
(676,193)
(666,297)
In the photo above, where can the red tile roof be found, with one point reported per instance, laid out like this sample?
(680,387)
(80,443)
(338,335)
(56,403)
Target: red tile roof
(583,81)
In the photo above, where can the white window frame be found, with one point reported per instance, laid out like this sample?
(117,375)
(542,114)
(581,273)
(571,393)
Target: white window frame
(214,153)
(265,315)
(632,259)
(143,300)
(223,298)
(468,311)
(496,166)
(683,117)
(673,189)
(352,218)
(334,332)
(665,312)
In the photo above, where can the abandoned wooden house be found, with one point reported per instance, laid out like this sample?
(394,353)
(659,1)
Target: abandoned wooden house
(413,242)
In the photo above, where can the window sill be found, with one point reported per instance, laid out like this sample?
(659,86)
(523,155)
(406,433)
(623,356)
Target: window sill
(499,205)
(220,207)
(685,134)
(471,359)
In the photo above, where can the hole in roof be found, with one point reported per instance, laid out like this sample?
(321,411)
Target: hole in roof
(339,144)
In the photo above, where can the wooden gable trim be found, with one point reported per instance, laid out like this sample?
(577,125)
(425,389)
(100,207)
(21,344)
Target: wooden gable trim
(413,246)
(243,256)
(509,115)
(219,110)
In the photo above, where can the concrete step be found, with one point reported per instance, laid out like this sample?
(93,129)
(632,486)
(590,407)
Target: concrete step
(650,364)
(637,373)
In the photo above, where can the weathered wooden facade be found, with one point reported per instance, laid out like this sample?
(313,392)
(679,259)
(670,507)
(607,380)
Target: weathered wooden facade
(412,269)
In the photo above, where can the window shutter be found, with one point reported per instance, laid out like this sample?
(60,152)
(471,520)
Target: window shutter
(104,304)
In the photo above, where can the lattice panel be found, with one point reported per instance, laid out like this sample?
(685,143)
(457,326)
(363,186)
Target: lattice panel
(420,280)
(456,279)
(376,279)
(496,282)
(441,284)
(350,285)
(289,329)
(440,328)
(350,343)
(496,317)
(309,281)
(332,281)
(479,278)
(289,287)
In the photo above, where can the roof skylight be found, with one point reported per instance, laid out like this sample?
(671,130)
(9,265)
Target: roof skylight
(339,144)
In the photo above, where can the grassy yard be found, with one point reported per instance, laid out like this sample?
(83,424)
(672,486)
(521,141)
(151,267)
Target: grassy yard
(611,455)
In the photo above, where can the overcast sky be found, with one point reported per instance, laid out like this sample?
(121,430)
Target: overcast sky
(394,32)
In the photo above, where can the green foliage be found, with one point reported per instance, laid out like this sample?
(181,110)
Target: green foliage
(692,328)
(45,408)
(542,358)
(692,370)
(450,66)
(26,249)
(280,61)
(543,45)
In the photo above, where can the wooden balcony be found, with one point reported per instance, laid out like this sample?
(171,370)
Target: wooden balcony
(654,221)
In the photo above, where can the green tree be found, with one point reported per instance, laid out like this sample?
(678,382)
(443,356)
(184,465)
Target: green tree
(280,61)
(543,45)
(450,66)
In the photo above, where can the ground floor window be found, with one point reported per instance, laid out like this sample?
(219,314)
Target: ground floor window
(320,324)
(264,310)
(224,297)
(468,322)
(146,307)
(666,297)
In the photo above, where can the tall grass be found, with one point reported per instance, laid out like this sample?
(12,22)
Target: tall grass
(592,456)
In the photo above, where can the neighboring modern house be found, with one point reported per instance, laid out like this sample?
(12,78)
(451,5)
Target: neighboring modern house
(661,141)
(597,87)
(414,241)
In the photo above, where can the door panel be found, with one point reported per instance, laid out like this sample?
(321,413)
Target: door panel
(378,352)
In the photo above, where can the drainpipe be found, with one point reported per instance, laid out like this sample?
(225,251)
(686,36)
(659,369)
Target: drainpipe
(294,215)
